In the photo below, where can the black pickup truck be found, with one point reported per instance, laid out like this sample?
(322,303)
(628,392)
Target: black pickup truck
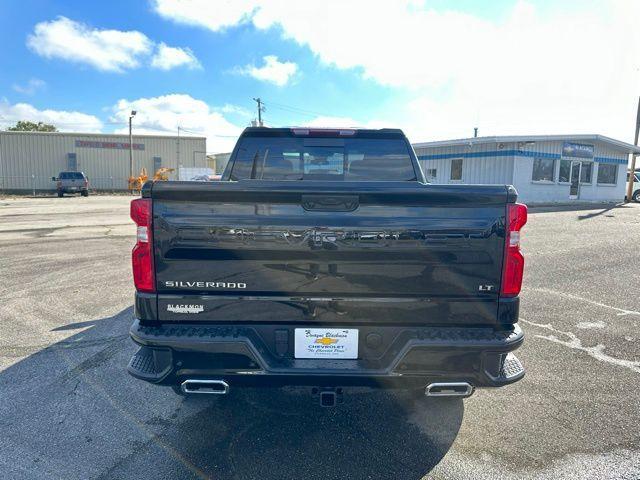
(323,259)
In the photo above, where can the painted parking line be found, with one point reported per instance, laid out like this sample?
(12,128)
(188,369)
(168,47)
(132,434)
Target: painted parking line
(573,342)
(621,311)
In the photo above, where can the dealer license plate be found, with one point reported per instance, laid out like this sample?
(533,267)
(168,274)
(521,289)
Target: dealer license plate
(326,343)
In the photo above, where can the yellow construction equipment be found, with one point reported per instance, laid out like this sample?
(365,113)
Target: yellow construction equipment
(135,183)
(161,175)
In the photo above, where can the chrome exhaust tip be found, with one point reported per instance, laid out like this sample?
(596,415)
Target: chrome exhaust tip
(211,387)
(449,389)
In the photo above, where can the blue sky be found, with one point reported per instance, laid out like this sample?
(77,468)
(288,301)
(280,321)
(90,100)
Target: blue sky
(436,68)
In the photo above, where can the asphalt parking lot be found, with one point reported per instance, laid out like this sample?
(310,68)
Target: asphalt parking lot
(69,410)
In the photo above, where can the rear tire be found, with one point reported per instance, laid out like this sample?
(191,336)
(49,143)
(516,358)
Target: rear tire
(636,196)
(85,193)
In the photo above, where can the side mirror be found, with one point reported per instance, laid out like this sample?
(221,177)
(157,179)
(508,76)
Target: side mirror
(53,179)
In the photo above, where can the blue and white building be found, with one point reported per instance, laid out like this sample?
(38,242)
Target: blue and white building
(543,168)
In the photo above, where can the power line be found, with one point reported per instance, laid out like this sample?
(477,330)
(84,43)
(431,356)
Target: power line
(65,124)
(293,109)
(261,107)
(139,127)
(290,110)
(201,133)
(190,131)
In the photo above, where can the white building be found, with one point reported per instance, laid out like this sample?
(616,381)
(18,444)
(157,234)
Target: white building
(549,168)
(28,160)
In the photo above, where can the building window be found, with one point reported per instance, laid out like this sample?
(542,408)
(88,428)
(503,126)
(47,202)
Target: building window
(456,169)
(564,175)
(607,173)
(586,172)
(432,173)
(564,172)
(543,169)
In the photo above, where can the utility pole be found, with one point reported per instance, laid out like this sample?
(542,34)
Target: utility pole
(633,157)
(260,110)
(133,114)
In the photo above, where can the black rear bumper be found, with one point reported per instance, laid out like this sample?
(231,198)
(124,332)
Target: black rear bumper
(261,355)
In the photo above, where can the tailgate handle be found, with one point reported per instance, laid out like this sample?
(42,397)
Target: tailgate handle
(330,203)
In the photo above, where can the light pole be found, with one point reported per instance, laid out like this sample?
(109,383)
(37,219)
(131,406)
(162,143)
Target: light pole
(633,159)
(178,149)
(133,114)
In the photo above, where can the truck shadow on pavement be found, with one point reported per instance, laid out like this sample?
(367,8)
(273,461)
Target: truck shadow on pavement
(70,410)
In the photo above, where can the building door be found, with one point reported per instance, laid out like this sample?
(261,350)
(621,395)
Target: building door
(72,162)
(574,187)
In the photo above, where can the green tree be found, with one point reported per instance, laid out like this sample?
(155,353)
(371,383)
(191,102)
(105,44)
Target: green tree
(26,126)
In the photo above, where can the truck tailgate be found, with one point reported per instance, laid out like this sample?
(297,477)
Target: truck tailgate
(328,252)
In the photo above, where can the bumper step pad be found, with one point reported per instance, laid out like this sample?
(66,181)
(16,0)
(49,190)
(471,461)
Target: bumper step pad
(144,364)
(512,367)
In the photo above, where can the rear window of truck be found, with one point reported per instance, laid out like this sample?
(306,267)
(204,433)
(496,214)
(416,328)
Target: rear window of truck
(71,176)
(353,159)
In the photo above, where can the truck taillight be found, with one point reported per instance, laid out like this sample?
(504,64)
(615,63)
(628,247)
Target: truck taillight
(142,254)
(513,266)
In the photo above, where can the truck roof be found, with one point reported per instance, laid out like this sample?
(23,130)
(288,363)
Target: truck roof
(323,132)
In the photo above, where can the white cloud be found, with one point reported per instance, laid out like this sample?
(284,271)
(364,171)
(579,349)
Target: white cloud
(235,110)
(344,122)
(163,115)
(105,50)
(31,87)
(167,58)
(273,71)
(530,71)
(328,122)
(65,121)
(215,16)
(155,116)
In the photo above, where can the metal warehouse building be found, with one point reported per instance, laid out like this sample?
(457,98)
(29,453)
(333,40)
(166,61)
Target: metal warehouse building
(550,168)
(28,160)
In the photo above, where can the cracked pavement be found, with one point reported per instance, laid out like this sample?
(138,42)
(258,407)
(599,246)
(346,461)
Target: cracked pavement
(69,410)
